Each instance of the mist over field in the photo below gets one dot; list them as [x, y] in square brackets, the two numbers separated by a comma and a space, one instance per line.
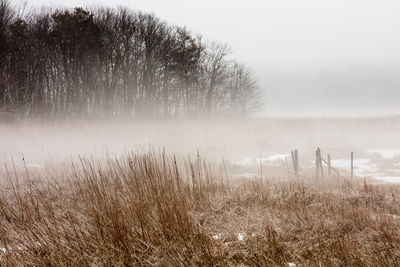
[218, 134]
[238, 142]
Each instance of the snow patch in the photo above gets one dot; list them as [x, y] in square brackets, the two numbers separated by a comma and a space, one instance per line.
[361, 166]
[385, 153]
[273, 159]
[217, 236]
[34, 166]
[394, 216]
[388, 179]
[240, 237]
[276, 157]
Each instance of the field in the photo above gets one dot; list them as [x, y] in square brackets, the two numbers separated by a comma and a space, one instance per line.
[178, 193]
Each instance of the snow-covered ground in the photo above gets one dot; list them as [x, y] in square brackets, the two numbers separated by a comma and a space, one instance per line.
[385, 153]
[389, 171]
[362, 166]
[380, 164]
[270, 160]
[388, 179]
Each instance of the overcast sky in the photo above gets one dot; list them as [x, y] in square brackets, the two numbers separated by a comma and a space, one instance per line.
[312, 57]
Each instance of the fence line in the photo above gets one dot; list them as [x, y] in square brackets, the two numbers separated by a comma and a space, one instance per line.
[319, 160]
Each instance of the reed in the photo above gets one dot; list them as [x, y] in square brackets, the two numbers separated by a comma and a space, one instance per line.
[158, 209]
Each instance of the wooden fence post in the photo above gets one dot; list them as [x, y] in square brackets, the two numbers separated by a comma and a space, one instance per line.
[352, 164]
[295, 160]
[320, 163]
[329, 164]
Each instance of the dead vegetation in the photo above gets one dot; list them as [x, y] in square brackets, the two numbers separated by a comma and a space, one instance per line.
[154, 209]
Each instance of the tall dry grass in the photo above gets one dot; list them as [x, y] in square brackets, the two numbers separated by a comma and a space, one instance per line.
[154, 209]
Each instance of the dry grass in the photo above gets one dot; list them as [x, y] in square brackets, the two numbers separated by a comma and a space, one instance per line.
[154, 209]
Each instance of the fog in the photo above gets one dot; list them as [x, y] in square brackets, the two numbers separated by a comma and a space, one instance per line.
[328, 72]
[329, 58]
[176, 132]
[239, 144]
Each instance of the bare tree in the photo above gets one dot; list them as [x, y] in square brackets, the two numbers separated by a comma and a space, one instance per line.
[115, 62]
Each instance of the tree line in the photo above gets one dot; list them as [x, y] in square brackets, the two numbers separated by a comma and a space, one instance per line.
[105, 62]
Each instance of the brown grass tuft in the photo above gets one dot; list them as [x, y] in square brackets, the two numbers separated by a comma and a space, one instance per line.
[154, 209]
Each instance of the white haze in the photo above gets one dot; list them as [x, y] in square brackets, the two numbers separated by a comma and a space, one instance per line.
[312, 57]
[241, 143]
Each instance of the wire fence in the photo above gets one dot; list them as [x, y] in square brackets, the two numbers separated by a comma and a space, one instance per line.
[319, 168]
